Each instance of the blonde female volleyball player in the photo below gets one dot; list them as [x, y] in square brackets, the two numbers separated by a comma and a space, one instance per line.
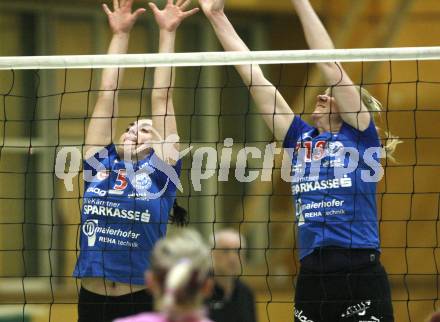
[341, 278]
[179, 277]
[130, 187]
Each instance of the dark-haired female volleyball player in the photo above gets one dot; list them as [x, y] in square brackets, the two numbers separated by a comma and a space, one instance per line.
[130, 187]
[341, 278]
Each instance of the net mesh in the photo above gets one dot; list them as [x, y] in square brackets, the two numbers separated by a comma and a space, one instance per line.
[44, 112]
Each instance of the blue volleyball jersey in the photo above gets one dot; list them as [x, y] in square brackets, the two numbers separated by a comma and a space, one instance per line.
[335, 198]
[125, 211]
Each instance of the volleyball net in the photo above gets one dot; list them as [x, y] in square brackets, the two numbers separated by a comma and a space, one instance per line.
[230, 177]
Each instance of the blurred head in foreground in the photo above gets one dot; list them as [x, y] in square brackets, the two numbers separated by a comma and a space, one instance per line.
[180, 273]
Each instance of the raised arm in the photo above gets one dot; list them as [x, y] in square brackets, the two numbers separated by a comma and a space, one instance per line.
[275, 110]
[102, 124]
[350, 107]
[164, 121]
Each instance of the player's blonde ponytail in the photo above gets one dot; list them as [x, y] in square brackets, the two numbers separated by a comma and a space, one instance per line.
[176, 281]
[375, 107]
[181, 263]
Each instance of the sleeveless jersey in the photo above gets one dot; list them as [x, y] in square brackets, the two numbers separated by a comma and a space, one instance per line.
[334, 186]
[125, 211]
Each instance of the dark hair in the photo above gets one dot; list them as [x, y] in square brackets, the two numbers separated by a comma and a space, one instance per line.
[179, 215]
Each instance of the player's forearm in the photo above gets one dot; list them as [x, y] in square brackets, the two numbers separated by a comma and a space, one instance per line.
[231, 41]
[164, 76]
[162, 94]
[317, 37]
[111, 77]
[274, 109]
[269, 101]
[315, 33]
[107, 103]
[334, 74]
[226, 32]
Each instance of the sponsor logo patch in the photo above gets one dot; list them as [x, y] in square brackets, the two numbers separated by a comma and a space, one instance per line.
[89, 229]
[299, 314]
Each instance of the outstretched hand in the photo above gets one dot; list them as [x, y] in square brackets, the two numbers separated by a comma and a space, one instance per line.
[170, 17]
[122, 19]
[211, 6]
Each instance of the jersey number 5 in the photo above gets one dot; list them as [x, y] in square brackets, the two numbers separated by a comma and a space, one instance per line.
[121, 181]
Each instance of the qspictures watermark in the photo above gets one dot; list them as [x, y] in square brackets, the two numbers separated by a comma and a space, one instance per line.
[207, 161]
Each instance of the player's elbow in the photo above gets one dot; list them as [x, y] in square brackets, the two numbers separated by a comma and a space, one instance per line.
[333, 73]
[108, 86]
[161, 94]
[360, 121]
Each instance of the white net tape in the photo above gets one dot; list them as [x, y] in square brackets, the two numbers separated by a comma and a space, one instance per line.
[221, 58]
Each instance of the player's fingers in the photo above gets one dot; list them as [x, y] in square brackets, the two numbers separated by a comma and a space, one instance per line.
[179, 2]
[153, 7]
[191, 12]
[106, 9]
[138, 12]
[185, 4]
[127, 3]
[115, 4]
